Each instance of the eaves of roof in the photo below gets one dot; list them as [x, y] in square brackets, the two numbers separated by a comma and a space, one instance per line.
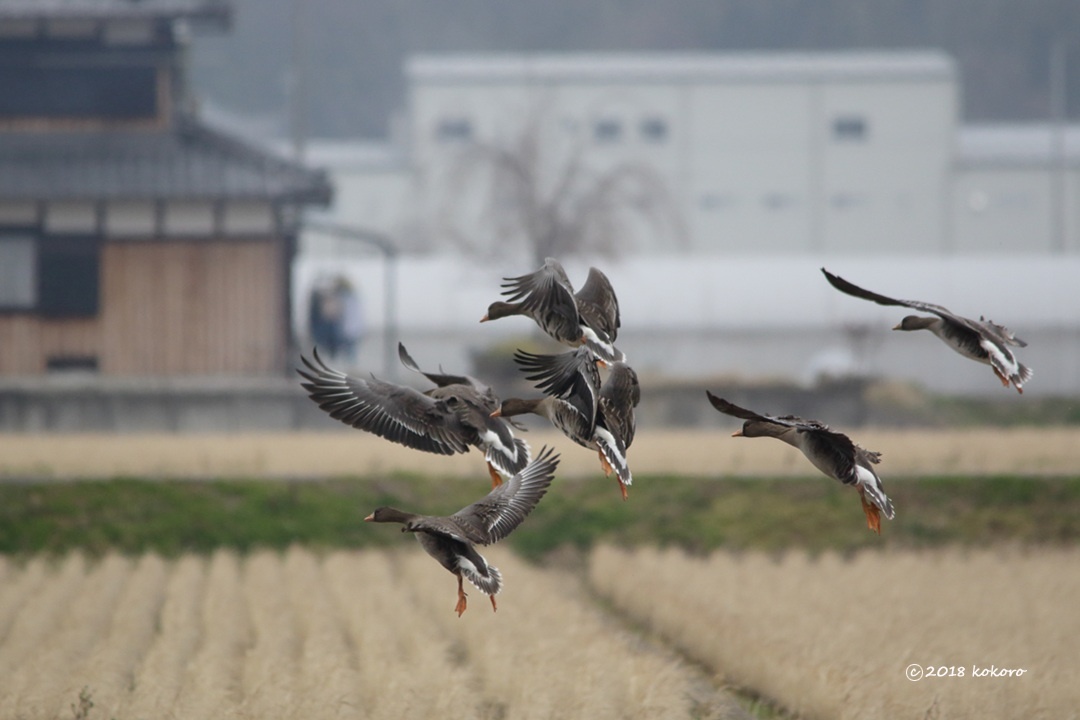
[194, 162]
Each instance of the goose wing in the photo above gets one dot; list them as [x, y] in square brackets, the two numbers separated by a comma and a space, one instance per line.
[395, 412]
[598, 305]
[855, 291]
[547, 296]
[440, 378]
[730, 408]
[504, 508]
[1000, 333]
[619, 395]
[571, 376]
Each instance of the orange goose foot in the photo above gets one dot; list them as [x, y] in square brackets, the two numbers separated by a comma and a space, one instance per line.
[873, 515]
[462, 603]
[496, 478]
[606, 466]
[494, 607]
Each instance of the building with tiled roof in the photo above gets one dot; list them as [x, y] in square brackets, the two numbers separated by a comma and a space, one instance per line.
[134, 239]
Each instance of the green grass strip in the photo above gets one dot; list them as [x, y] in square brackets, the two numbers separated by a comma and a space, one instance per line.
[699, 514]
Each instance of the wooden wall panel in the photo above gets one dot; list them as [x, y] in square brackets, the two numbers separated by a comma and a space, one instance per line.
[26, 342]
[168, 308]
[193, 308]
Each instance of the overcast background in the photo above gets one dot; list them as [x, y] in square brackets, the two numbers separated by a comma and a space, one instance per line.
[352, 51]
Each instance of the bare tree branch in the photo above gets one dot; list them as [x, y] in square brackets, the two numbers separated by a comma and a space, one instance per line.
[580, 210]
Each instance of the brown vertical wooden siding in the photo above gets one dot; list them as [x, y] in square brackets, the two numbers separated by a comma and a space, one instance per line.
[168, 308]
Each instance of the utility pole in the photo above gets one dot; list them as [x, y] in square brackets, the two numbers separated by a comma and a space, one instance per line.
[1058, 161]
[297, 83]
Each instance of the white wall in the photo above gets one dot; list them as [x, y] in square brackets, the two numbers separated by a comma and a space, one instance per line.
[750, 157]
[753, 318]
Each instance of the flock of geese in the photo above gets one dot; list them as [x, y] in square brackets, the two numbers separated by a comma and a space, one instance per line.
[461, 412]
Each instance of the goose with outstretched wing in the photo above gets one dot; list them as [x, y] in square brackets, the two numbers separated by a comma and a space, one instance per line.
[981, 340]
[830, 452]
[452, 539]
[446, 420]
[597, 416]
[587, 317]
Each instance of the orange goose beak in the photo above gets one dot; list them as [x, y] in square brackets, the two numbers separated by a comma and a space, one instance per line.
[737, 433]
[370, 517]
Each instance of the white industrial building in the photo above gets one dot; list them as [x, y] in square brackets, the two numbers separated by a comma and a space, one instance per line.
[771, 165]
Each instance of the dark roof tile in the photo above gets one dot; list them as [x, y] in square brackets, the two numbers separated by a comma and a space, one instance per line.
[193, 163]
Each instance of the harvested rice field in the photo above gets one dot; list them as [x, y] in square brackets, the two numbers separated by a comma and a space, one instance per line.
[649, 634]
[710, 452]
[898, 631]
[945, 634]
[362, 634]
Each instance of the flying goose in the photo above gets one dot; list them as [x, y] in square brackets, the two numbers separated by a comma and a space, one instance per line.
[446, 420]
[588, 317]
[595, 416]
[451, 540]
[981, 340]
[830, 452]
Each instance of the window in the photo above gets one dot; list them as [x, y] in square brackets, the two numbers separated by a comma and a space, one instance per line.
[454, 130]
[18, 272]
[654, 130]
[62, 363]
[849, 128]
[847, 201]
[607, 130]
[68, 271]
[776, 201]
[716, 201]
[55, 276]
[78, 92]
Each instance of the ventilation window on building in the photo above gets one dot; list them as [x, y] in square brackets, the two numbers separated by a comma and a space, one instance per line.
[775, 202]
[69, 363]
[654, 130]
[451, 130]
[850, 128]
[607, 130]
[18, 272]
[847, 201]
[716, 201]
[69, 268]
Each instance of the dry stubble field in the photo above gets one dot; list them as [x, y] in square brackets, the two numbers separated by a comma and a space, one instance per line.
[686, 452]
[371, 634]
[365, 634]
[299, 635]
[829, 637]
